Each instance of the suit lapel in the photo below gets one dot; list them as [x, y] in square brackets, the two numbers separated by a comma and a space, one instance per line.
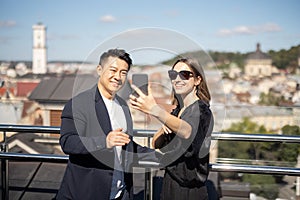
[102, 113]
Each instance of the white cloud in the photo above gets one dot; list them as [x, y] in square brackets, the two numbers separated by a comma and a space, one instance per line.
[107, 18]
[9, 23]
[243, 30]
[250, 30]
[224, 32]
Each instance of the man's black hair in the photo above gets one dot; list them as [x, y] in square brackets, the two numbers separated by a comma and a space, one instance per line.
[118, 53]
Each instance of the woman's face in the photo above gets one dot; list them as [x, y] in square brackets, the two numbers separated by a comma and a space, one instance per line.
[184, 83]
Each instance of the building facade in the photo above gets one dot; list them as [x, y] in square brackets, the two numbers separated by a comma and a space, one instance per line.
[258, 64]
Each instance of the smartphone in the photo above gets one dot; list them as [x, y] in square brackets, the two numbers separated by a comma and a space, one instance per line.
[140, 81]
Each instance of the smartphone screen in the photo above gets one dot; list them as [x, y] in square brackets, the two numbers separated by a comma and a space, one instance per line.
[141, 81]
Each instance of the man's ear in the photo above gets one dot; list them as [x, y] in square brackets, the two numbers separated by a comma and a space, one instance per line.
[99, 69]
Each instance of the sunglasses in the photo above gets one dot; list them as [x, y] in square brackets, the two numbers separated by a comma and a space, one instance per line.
[184, 74]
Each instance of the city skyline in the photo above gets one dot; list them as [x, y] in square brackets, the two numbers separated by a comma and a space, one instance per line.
[75, 29]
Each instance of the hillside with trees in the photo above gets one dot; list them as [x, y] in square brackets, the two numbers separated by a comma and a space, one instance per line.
[282, 59]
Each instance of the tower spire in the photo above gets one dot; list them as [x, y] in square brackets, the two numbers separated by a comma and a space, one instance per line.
[258, 47]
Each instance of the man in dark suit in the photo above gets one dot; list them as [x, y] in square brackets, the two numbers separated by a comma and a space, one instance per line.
[96, 133]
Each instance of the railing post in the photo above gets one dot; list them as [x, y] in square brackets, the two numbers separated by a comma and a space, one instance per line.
[147, 189]
[4, 170]
[4, 173]
[146, 185]
[148, 182]
[298, 180]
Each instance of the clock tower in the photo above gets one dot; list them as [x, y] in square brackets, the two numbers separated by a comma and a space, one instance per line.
[39, 50]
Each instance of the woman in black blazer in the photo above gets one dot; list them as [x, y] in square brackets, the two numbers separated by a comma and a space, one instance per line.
[185, 136]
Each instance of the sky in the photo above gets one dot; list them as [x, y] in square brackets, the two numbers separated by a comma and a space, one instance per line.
[78, 29]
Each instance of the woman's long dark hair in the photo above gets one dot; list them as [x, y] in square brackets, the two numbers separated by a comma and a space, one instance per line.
[201, 90]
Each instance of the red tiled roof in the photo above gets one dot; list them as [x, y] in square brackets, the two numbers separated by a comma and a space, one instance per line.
[25, 88]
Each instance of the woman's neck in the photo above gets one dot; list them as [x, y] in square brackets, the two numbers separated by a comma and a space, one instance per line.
[189, 99]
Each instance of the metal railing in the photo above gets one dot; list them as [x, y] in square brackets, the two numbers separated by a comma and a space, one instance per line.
[253, 169]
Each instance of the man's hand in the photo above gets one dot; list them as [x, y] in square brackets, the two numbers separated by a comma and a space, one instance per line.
[117, 138]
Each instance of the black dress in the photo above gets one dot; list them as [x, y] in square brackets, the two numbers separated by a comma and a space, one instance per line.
[185, 177]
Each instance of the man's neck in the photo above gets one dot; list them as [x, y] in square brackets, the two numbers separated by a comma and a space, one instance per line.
[105, 93]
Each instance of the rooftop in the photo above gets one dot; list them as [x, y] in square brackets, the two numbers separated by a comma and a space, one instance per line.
[60, 89]
[258, 54]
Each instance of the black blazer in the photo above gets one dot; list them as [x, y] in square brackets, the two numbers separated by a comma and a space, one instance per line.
[85, 125]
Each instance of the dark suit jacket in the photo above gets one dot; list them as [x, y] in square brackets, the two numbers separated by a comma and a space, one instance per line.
[85, 125]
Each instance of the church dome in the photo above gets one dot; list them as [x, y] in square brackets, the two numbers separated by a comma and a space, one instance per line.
[258, 54]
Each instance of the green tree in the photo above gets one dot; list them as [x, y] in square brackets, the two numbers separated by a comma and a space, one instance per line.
[286, 59]
[262, 185]
[247, 150]
[269, 99]
[289, 152]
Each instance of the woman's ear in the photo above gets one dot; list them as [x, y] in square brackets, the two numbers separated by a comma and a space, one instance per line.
[198, 80]
[99, 70]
